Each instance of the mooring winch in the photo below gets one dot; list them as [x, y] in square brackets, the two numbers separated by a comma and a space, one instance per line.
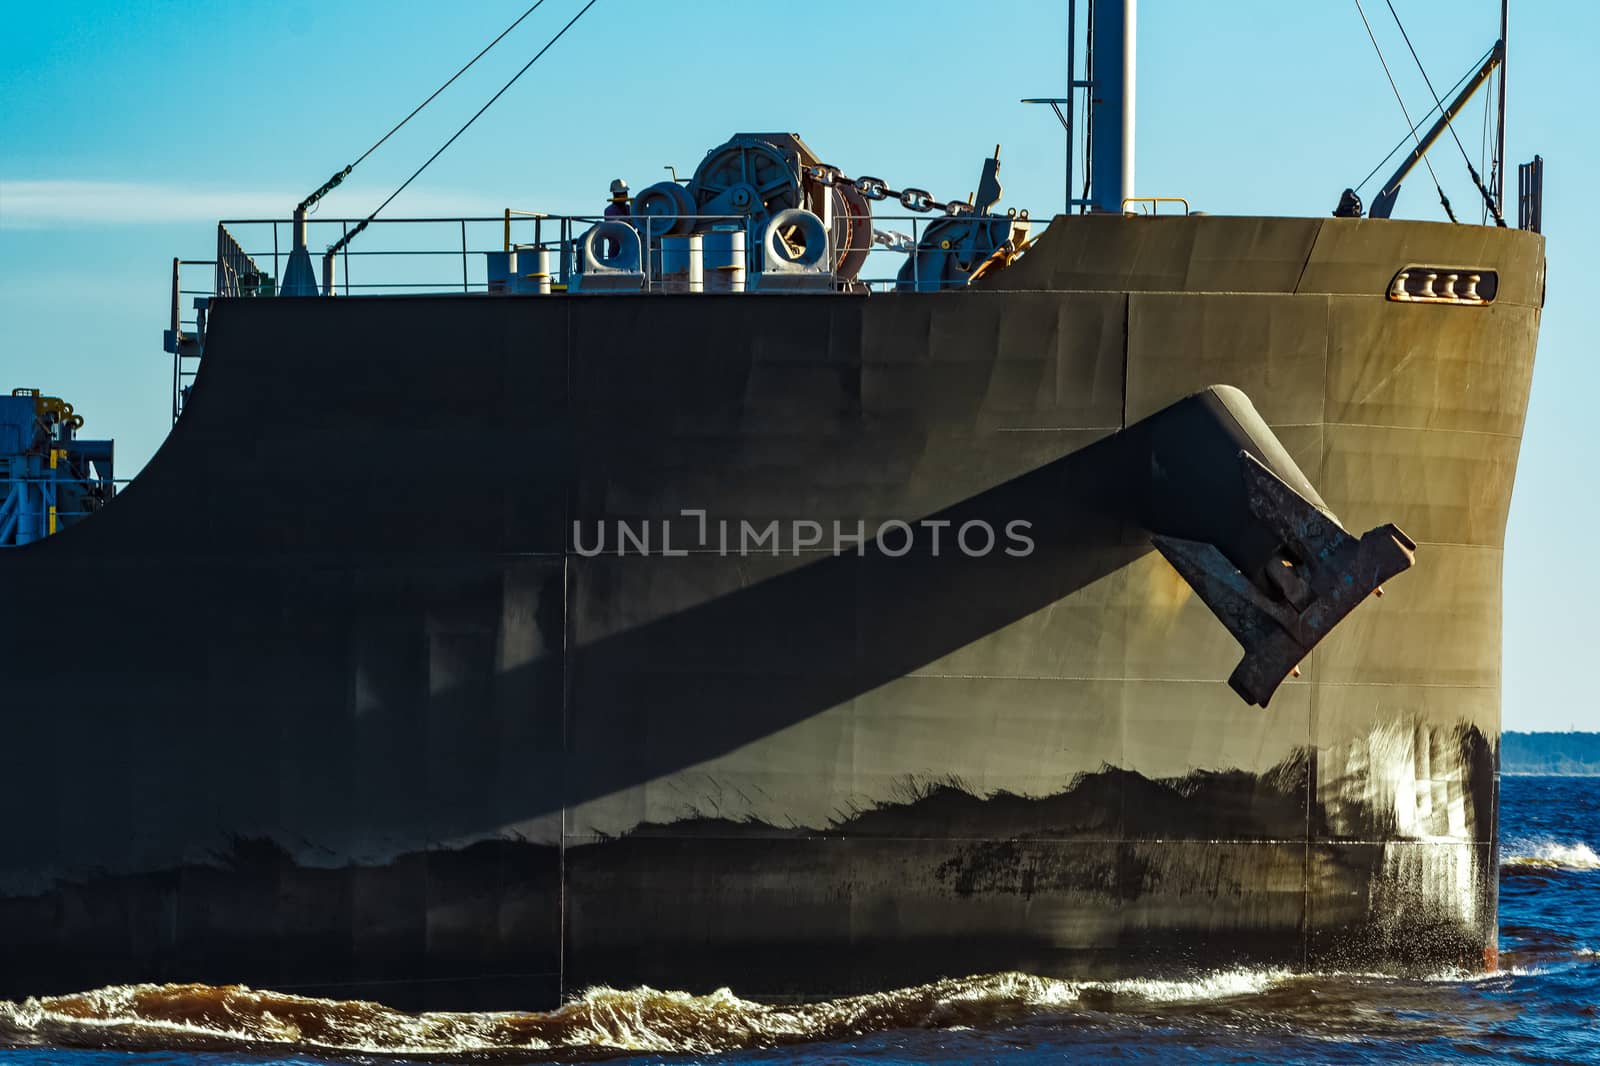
[775, 189]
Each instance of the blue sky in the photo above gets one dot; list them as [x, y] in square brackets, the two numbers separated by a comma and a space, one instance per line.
[128, 128]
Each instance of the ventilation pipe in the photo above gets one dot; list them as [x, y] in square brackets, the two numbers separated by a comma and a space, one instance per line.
[299, 277]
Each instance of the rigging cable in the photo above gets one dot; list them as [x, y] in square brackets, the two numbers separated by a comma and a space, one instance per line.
[1443, 199]
[1401, 143]
[329, 185]
[1084, 196]
[346, 239]
[1450, 125]
[1483, 147]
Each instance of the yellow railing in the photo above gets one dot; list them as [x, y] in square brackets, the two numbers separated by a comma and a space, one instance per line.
[510, 212]
[1155, 203]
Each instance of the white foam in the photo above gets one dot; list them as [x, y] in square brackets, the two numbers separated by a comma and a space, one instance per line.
[640, 1020]
[1223, 984]
[1555, 855]
[637, 1020]
[1472, 977]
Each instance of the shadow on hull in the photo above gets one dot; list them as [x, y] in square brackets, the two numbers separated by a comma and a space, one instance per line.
[1209, 870]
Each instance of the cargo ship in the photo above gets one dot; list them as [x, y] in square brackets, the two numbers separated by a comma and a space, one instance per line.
[685, 610]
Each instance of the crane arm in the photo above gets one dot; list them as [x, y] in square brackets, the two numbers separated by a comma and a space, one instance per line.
[1383, 203]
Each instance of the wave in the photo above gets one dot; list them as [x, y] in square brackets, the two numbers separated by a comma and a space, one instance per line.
[1550, 855]
[603, 1021]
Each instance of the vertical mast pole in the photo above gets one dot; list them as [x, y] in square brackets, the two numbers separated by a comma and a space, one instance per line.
[1089, 74]
[1111, 105]
[1500, 118]
[1072, 77]
[1129, 55]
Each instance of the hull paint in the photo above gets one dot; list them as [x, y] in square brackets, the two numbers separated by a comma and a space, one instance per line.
[368, 723]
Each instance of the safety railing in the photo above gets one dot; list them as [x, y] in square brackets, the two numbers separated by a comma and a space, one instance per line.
[384, 262]
[1151, 205]
[538, 217]
[402, 256]
[192, 291]
[238, 274]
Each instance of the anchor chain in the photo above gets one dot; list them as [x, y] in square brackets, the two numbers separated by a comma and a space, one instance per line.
[876, 189]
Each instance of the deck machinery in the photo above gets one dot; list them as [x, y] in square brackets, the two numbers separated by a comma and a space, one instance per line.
[764, 206]
[760, 181]
[52, 479]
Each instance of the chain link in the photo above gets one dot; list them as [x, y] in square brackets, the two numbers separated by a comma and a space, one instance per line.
[876, 189]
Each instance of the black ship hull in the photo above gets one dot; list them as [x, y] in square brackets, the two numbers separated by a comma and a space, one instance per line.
[354, 705]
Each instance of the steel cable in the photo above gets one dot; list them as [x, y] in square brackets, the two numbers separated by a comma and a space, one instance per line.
[1443, 199]
[1427, 80]
[333, 182]
[1401, 143]
[537, 4]
[465, 126]
[1449, 125]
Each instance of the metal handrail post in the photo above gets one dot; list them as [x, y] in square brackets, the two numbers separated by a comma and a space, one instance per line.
[175, 262]
[1155, 202]
[916, 273]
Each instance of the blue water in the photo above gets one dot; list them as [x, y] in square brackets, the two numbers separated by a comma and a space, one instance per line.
[1542, 1007]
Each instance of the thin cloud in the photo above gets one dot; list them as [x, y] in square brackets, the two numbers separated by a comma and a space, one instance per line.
[69, 202]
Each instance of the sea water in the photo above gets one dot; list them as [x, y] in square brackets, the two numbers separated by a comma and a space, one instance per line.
[1542, 1006]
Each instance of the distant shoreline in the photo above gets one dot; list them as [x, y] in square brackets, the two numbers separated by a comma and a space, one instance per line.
[1569, 754]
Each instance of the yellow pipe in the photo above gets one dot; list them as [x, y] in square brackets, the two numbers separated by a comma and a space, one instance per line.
[52, 520]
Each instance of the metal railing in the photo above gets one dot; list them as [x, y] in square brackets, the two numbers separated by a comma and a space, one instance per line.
[1154, 203]
[187, 326]
[401, 256]
[382, 264]
[237, 273]
[537, 216]
[1530, 195]
[387, 263]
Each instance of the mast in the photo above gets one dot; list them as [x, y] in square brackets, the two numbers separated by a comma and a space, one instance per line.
[1112, 25]
[1072, 83]
[1109, 80]
[1129, 85]
[1499, 175]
